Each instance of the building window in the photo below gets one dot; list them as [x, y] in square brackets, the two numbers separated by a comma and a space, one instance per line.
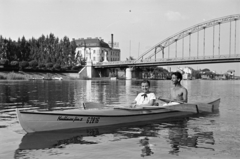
[94, 58]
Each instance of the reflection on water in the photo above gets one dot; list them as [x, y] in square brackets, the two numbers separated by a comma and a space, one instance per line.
[210, 134]
[177, 135]
[52, 139]
[146, 150]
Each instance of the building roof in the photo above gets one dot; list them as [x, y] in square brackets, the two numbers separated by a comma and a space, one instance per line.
[231, 71]
[91, 42]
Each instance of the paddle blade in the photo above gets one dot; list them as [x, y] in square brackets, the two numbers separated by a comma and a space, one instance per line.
[183, 108]
[164, 100]
[93, 105]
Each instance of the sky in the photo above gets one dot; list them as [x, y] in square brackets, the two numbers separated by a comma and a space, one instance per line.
[137, 25]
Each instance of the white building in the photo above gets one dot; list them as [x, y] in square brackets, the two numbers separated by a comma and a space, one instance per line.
[96, 50]
[186, 72]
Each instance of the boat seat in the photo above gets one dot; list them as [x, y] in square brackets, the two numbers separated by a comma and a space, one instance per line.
[92, 105]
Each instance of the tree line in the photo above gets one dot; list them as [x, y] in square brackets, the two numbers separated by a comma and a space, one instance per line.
[46, 53]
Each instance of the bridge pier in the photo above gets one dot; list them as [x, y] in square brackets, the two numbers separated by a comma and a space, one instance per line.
[89, 69]
[128, 73]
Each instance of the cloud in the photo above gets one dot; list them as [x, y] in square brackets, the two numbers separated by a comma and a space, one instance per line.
[174, 16]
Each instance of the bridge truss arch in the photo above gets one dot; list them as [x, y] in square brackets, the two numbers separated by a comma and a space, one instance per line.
[184, 33]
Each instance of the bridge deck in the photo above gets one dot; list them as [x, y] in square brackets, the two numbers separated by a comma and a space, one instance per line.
[172, 61]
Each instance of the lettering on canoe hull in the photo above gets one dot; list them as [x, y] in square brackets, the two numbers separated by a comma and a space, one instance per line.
[68, 118]
[89, 120]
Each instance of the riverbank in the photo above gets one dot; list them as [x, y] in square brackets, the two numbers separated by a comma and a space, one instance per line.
[20, 75]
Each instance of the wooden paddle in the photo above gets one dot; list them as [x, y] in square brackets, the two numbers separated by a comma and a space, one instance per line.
[168, 100]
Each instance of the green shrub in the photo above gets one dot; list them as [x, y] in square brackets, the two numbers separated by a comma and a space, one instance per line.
[66, 67]
[76, 67]
[23, 64]
[4, 62]
[49, 65]
[33, 63]
[14, 63]
[41, 65]
[2, 77]
[29, 68]
[57, 66]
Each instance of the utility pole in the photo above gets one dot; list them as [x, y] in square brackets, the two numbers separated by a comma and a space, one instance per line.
[138, 48]
[130, 48]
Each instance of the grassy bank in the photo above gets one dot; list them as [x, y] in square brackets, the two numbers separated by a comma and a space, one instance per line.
[30, 75]
[12, 76]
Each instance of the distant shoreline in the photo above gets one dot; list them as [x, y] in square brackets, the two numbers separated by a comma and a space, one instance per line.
[20, 75]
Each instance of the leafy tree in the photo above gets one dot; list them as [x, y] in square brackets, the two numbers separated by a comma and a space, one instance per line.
[24, 49]
[43, 50]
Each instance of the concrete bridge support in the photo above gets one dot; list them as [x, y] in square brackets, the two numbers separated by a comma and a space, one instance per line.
[128, 73]
[89, 70]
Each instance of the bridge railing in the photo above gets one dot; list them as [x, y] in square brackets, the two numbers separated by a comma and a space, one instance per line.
[211, 57]
[189, 58]
[116, 62]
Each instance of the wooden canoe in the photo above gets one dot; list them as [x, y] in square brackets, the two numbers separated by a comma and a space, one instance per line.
[34, 121]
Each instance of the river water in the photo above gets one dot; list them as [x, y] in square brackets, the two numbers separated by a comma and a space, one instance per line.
[214, 135]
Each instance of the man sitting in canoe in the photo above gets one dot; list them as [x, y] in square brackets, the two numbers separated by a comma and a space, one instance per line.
[178, 94]
[146, 98]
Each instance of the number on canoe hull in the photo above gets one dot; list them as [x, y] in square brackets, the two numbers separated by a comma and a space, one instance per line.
[91, 120]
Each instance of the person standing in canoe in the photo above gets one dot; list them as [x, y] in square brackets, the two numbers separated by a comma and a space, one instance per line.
[179, 94]
[145, 98]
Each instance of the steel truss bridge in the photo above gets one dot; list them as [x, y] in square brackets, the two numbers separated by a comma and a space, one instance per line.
[184, 54]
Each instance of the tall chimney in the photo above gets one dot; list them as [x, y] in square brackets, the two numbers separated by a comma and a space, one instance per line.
[112, 41]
